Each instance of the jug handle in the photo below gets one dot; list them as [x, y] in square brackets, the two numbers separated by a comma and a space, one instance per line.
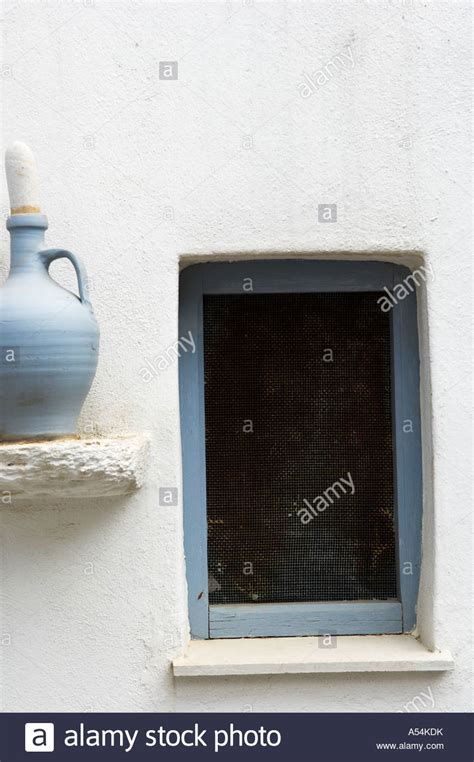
[49, 255]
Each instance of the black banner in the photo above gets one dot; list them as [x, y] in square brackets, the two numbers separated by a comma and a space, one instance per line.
[334, 737]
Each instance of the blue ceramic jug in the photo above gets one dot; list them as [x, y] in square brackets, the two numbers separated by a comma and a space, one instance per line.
[49, 340]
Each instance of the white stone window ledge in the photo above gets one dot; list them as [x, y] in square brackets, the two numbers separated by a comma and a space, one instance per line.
[73, 468]
[293, 656]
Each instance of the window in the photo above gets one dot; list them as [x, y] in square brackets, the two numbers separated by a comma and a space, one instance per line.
[301, 448]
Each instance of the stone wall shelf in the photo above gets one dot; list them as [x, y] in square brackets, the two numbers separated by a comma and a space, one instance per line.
[74, 468]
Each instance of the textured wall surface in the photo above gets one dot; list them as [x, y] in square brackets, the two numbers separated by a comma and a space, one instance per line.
[231, 159]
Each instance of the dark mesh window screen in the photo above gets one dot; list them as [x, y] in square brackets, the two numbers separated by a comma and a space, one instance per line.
[298, 448]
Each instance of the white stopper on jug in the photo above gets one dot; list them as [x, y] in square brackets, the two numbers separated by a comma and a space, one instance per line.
[22, 179]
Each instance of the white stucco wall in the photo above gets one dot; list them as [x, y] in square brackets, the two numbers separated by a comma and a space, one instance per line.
[138, 174]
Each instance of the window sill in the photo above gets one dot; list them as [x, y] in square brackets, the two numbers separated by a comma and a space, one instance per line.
[283, 656]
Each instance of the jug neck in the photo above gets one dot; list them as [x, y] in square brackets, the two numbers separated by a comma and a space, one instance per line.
[27, 239]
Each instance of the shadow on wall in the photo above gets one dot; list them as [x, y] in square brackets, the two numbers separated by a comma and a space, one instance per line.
[398, 692]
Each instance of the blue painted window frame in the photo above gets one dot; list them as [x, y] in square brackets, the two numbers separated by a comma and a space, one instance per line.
[299, 619]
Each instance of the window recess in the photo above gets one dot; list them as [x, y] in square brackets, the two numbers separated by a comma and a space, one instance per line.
[301, 449]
